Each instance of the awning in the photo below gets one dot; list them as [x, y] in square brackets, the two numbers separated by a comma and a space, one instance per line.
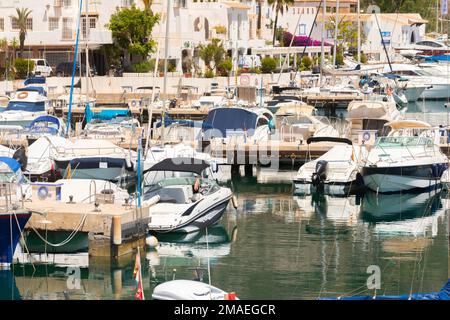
[408, 124]
[180, 164]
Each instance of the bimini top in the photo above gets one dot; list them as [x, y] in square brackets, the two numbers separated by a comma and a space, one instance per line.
[11, 163]
[48, 119]
[408, 124]
[39, 90]
[34, 80]
[328, 139]
[180, 164]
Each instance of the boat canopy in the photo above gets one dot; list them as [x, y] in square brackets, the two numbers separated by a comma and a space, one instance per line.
[11, 163]
[408, 124]
[106, 114]
[35, 127]
[230, 119]
[39, 90]
[34, 80]
[328, 139]
[180, 164]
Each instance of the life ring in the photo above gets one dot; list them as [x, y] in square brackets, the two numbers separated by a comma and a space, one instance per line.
[22, 95]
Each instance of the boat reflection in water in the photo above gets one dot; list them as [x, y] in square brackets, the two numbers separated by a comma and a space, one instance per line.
[179, 249]
[8, 284]
[413, 214]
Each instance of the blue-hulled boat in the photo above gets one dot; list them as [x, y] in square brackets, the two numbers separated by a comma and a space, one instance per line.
[12, 217]
[443, 294]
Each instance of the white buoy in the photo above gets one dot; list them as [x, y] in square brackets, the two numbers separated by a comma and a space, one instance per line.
[151, 241]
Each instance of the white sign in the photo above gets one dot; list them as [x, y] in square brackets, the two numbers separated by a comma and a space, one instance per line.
[103, 165]
[444, 7]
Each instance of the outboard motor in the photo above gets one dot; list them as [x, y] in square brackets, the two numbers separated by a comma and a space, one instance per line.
[318, 178]
[21, 157]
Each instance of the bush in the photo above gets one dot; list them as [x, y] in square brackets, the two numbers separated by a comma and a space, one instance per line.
[143, 66]
[221, 29]
[363, 58]
[268, 65]
[225, 67]
[306, 63]
[23, 67]
[339, 59]
[209, 74]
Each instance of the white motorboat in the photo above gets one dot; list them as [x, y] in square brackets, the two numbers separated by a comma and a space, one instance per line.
[253, 124]
[296, 120]
[409, 157]
[27, 104]
[189, 290]
[95, 159]
[188, 201]
[335, 172]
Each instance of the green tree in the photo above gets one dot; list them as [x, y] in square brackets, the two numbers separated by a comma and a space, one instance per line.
[22, 16]
[131, 29]
[225, 67]
[347, 33]
[213, 52]
[279, 6]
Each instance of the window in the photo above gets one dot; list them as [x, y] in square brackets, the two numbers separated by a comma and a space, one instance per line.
[67, 29]
[2, 24]
[92, 23]
[53, 24]
[302, 29]
[40, 63]
[66, 3]
[15, 24]
[330, 33]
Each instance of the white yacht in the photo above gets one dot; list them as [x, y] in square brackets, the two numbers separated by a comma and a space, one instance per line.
[27, 104]
[335, 172]
[252, 124]
[189, 290]
[186, 202]
[409, 157]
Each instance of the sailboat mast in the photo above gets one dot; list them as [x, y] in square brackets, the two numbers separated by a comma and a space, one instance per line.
[336, 30]
[87, 27]
[322, 47]
[166, 55]
[358, 18]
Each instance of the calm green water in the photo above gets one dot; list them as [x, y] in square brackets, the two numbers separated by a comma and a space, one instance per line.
[274, 246]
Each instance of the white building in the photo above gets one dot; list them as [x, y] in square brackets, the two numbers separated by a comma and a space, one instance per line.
[52, 25]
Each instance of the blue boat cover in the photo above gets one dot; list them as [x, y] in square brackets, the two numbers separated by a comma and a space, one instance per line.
[25, 106]
[35, 128]
[229, 119]
[10, 162]
[105, 114]
[34, 80]
[51, 119]
[168, 121]
[443, 294]
[39, 90]
[443, 57]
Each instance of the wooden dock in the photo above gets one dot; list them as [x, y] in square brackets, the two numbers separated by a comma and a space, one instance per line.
[114, 229]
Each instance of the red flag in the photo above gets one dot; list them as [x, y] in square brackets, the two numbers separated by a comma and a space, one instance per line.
[139, 293]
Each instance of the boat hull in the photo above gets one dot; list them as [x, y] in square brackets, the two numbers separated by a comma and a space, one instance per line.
[393, 179]
[207, 218]
[10, 231]
[346, 188]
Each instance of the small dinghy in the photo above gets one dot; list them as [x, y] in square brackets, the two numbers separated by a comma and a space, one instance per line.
[190, 290]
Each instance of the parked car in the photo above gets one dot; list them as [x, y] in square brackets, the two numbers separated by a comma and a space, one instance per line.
[42, 68]
[64, 69]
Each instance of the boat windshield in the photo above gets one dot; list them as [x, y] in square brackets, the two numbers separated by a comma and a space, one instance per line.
[25, 106]
[393, 142]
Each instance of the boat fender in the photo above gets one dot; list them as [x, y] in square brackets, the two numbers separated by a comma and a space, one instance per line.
[151, 241]
[128, 164]
[21, 157]
[152, 201]
[234, 201]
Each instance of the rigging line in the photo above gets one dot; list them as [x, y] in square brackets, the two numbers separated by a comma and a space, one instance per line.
[209, 265]
[24, 242]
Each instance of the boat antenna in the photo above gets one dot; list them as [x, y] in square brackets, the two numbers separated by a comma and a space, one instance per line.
[209, 264]
[74, 69]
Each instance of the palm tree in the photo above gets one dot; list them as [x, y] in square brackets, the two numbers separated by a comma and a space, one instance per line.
[280, 6]
[147, 4]
[22, 17]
